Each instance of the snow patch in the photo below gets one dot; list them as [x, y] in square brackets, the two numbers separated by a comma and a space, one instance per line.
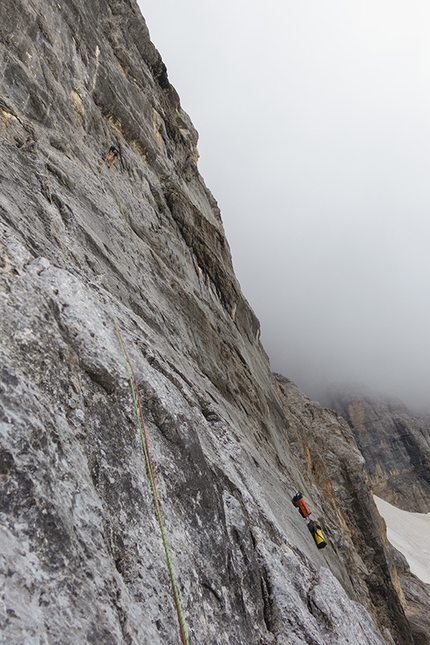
[410, 534]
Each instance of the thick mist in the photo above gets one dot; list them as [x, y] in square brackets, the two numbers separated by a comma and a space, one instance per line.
[314, 123]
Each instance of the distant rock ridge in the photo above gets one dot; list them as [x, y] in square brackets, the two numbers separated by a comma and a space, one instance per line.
[142, 243]
[395, 443]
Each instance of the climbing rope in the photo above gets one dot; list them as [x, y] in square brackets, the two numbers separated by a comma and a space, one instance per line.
[145, 445]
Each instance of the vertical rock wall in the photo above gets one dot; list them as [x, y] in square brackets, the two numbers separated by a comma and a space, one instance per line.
[395, 443]
[143, 244]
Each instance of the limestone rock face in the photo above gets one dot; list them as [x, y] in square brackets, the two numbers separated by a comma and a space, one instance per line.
[395, 444]
[142, 244]
[417, 597]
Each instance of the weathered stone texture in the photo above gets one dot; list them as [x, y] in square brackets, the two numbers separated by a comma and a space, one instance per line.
[81, 559]
[395, 443]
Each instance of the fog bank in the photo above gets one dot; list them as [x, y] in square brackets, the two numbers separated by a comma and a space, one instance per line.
[314, 138]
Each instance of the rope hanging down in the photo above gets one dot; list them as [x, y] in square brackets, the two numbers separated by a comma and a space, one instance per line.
[144, 439]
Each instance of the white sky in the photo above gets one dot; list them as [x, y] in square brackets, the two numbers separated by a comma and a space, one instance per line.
[409, 533]
[314, 122]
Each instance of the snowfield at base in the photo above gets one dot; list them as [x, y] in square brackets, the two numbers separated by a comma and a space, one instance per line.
[410, 534]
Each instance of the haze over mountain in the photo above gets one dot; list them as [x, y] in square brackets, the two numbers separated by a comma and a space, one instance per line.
[314, 136]
[148, 453]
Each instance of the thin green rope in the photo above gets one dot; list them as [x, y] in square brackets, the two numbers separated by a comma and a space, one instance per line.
[145, 445]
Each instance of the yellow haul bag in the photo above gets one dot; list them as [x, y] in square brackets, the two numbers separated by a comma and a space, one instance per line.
[317, 534]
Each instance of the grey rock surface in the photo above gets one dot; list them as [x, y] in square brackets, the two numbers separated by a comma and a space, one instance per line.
[82, 246]
[417, 597]
[395, 443]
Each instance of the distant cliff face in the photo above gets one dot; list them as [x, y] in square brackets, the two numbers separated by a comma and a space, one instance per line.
[395, 444]
[142, 243]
